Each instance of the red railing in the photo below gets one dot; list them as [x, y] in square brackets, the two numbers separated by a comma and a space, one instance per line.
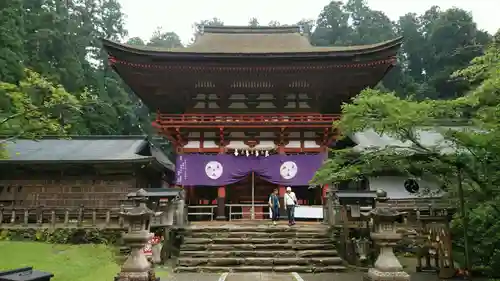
[246, 120]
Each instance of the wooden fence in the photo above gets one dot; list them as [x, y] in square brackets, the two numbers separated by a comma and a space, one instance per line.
[42, 217]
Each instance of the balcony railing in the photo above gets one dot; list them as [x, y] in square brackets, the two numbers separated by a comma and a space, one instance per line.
[296, 120]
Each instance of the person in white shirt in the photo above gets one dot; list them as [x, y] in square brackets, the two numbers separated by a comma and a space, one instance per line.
[290, 203]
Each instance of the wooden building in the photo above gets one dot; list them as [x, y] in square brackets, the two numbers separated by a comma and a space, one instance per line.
[96, 172]
[249, 108]
[405, 193]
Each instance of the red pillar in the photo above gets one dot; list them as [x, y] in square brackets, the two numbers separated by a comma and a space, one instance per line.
[281, 192]
[324, 192]
[221, 203]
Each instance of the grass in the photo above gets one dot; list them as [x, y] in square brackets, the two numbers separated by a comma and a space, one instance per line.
[66, 262]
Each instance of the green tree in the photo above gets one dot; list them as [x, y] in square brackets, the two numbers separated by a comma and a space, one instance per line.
[165, 39]
[471, 151]
[210, 22]
[253, 22]
[38, 107]
[274, 23]
[11, 44]
[332, 26]
[136, 41]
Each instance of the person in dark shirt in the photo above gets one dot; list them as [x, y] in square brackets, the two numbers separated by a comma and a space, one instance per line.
[274, 205]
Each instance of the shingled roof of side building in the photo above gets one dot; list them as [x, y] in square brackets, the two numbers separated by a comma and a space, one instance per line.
[85, 149]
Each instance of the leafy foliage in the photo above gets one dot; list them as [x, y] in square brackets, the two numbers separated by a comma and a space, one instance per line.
[38, 107]
[469, 149]
[63, 235]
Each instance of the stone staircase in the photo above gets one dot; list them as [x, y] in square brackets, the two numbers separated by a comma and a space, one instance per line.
[258, 248]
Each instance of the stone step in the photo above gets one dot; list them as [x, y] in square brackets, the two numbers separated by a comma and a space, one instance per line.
[253, 240]
[260, 276]
[250, 234]
[246, 247]
[260, 261]
[262, 253]
[291, 268]
[261, 228]
[202, 254]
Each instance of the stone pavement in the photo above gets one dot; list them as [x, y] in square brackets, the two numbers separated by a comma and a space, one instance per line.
[260, 276]
[358, 276]
[192, 277]
[270, 276]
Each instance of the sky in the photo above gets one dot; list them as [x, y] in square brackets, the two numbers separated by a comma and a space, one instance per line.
[144, 16]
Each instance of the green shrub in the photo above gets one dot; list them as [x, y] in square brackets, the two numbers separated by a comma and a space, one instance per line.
[62, 235]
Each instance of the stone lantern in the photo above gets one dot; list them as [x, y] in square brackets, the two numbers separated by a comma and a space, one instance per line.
[138, 218]
[387, 266]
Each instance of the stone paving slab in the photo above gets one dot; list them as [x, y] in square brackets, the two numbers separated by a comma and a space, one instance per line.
[351, 276]
[358, 276]
[192, 277]
[260, 276]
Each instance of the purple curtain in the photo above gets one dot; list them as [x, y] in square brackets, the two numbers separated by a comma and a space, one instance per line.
[224, 169]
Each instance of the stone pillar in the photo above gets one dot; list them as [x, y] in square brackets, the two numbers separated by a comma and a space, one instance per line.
[324, 200]
[221, 203]
[156, 249]
[387, 266]
[180, 208]
[169, 214]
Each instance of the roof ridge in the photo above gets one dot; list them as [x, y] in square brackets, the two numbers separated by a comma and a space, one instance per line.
[250, 29]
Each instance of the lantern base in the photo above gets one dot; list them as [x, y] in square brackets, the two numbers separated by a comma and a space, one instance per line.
[377, 275]
[133, 276]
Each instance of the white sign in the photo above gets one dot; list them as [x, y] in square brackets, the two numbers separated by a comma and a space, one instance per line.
[309, 212]
[306, 212]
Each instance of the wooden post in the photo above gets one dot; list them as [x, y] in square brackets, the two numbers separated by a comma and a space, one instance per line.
[53, 218]
[66, 217]
[221, 203]
[1, 214]
[94, 217]
[13, 217]
[281, 193]
[120, 218]
[26, 216]
[80, 216]
[39, 218]
[108, 217]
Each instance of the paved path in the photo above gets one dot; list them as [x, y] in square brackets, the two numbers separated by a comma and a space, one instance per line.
[192, 277]
[260, 276]
[270, 276]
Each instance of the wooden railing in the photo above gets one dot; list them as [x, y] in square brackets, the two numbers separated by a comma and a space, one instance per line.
[245, 120]
[81, 217]
[244, 214]
[42, 217]
[196, 212]
[418, 204]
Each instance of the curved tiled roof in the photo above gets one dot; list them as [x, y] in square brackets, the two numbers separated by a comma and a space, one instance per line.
[78, 149]
[228, 40]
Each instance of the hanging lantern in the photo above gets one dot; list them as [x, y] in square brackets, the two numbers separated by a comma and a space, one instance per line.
[236, 152]
[267, 153]
[247, 153]
[256, 153]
